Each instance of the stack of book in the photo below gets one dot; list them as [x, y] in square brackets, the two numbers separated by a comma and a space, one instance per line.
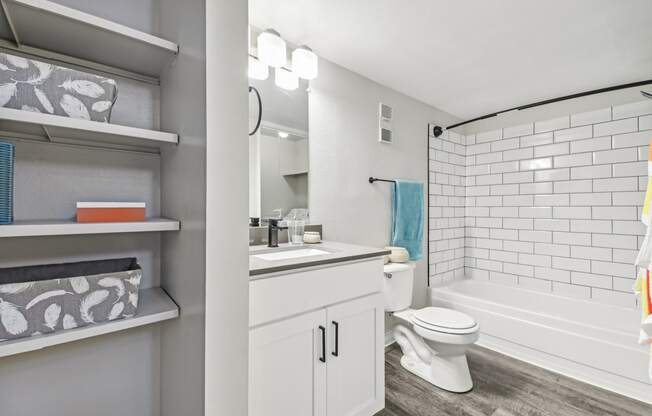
[110, 211]
[7, 151]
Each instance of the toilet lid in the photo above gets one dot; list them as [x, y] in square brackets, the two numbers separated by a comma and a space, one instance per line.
[443, 319]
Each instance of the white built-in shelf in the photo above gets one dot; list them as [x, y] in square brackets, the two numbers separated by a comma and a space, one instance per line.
[30, 125]
[154, 305]
[52, 27]
[48, 228]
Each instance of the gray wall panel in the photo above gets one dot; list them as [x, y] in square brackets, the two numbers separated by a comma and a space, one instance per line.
[183, 190]
[49, 179]
[63, 249]
[114, 374]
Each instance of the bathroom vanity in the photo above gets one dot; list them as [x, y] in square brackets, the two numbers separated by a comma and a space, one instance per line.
[316, 330]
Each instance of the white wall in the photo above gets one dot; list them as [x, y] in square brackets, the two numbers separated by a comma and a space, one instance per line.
[227, 237]
[344, 152]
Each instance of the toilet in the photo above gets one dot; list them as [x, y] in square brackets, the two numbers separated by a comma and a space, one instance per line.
[433, 340]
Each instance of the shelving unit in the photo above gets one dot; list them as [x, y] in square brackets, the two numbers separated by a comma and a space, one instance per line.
[155, 90]
[29, 125]
[49, 26]
[154, 305]
[49, 228]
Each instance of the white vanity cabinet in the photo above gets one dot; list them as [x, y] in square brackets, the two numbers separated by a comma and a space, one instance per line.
[321, 357]
[355, 382]
[285, 374]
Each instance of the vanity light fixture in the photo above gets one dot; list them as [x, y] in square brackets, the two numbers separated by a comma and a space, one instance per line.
[305, 62]
[283, 135]
[257, 69]
[272, 49]
[286, 79]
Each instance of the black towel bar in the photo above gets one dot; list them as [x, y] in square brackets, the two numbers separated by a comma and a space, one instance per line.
[372, 180]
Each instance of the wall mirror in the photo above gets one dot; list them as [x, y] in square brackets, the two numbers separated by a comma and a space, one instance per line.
[278, 151]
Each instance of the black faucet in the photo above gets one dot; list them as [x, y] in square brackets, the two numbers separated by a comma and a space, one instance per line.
[272, 232]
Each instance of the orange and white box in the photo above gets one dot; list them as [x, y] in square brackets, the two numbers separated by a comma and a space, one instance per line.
[110, 211]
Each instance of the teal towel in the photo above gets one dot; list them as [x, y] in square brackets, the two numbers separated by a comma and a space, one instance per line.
[407, 224]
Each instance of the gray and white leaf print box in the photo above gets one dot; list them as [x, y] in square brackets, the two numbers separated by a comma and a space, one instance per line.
[36, 300]
[31, 85]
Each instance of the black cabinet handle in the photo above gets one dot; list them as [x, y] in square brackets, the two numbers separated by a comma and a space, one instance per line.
[323, 344]
[336, 353]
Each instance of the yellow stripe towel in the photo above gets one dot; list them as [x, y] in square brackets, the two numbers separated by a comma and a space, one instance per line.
[643, 288]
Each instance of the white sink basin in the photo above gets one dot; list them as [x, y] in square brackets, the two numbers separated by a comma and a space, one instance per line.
[291, 254]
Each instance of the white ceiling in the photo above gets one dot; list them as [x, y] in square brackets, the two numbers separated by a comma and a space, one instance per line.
[473, 57]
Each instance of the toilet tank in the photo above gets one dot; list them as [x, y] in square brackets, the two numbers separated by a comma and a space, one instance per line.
[399, 280]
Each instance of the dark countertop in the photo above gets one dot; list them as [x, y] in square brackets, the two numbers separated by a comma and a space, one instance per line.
[337, 253]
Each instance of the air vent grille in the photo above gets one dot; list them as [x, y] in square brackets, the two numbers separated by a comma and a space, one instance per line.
[386, 135]
[386, 112]
[385, 130]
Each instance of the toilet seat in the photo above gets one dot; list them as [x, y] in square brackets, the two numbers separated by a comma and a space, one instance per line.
[447, 338]
[444, 320]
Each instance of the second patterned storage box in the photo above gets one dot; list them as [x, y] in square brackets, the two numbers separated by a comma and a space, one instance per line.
[36, 300]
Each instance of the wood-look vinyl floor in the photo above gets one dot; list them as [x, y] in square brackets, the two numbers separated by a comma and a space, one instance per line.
[503, 386]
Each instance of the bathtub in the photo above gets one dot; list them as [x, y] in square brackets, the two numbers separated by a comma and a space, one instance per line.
[588, 341]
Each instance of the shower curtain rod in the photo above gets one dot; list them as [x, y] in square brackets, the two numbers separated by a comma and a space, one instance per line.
[554, 100]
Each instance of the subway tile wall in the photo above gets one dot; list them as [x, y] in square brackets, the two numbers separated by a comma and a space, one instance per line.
[447, 170]
[552, 206]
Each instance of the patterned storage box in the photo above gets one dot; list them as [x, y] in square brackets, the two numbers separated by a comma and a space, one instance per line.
[36, 300]
[31, 85]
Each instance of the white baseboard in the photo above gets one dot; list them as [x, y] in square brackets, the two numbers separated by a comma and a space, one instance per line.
[389, 339]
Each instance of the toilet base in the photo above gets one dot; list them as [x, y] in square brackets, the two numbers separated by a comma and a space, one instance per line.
[448, 373]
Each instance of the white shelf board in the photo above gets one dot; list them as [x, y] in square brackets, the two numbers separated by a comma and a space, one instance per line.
[49, 228]
[47, 25]
[22, 124]
[154, 305]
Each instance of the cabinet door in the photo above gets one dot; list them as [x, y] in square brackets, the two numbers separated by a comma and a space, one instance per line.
[286, 374]
[356, 372]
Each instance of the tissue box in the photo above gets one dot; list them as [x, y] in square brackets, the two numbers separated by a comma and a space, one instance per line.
[31, 85]
[36, 300]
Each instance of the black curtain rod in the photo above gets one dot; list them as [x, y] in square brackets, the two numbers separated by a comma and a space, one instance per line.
[372, 180]
[554, 100]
